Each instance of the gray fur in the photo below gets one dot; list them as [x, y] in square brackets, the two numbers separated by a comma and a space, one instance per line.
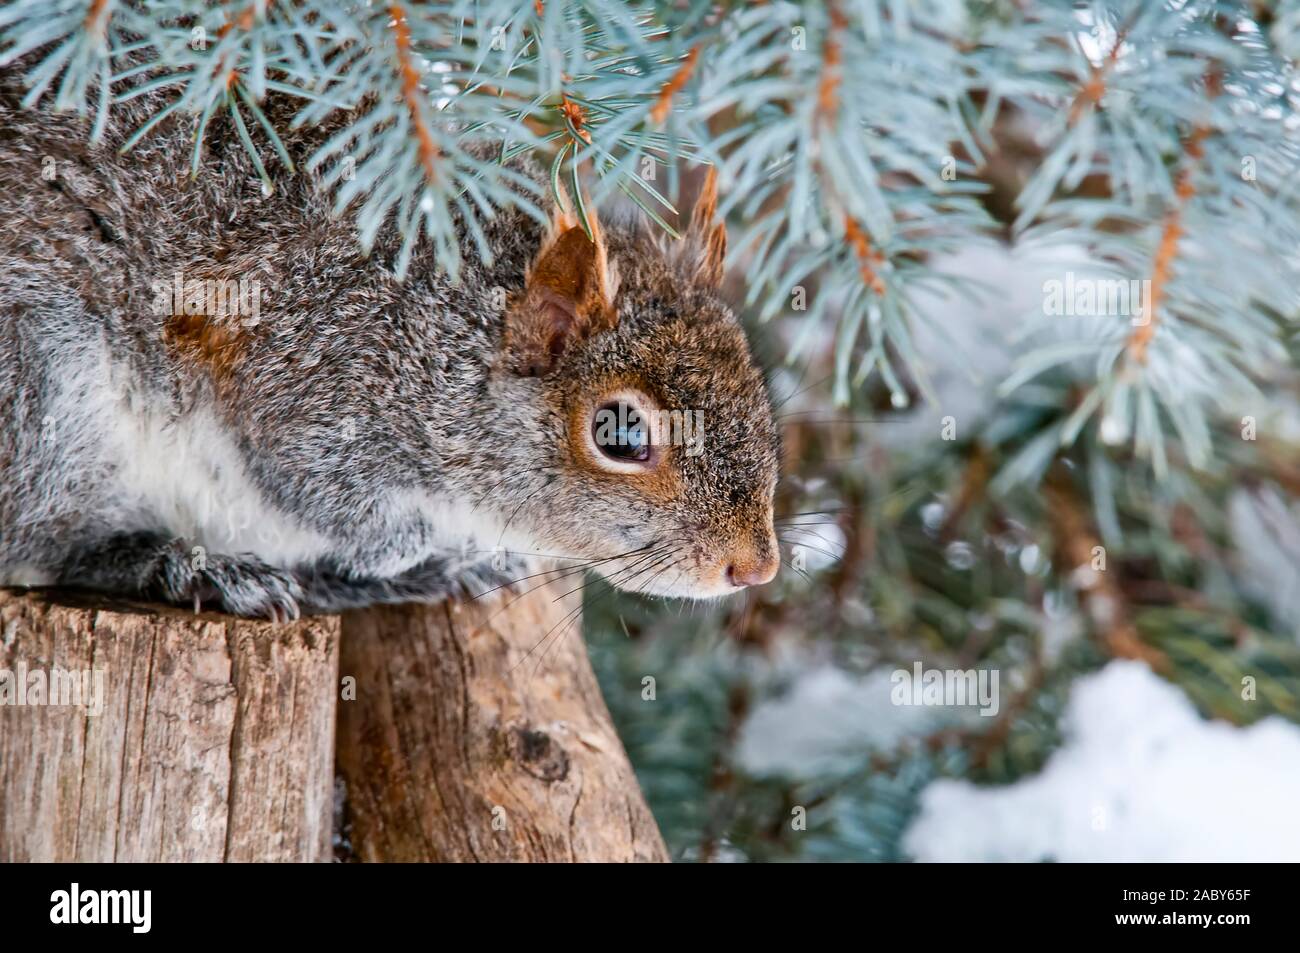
[365, 444]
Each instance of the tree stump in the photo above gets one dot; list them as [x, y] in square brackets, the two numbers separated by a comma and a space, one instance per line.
[478, 733]
[211, 738]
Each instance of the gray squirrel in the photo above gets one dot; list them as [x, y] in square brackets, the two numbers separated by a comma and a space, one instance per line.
[328, 436]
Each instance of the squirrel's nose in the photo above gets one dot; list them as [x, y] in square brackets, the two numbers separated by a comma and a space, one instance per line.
[754, 571]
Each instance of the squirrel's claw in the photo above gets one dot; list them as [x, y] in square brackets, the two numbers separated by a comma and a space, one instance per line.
[240, 585]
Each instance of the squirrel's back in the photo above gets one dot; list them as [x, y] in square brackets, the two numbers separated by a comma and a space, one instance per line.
[124, 403]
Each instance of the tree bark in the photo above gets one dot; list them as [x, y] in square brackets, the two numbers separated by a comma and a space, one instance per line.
[478, 733]
[212, 741]
[464, 733]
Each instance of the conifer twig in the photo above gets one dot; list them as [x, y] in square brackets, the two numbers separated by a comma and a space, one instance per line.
[411, 94]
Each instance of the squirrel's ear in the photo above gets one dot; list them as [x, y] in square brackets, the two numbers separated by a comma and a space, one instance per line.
[568, 296]
[705, 246]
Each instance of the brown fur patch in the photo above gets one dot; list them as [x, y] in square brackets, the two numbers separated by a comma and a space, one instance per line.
[569, 269]
[214, 342]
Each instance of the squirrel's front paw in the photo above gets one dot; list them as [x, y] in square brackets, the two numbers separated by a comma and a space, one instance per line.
[240, 585]
[153, 566]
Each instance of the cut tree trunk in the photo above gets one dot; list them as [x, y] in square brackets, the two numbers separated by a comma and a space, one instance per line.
[209, 738]
[478, 733]
[182, 737]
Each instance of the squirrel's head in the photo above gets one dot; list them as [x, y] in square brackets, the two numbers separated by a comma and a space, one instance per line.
[656, 453]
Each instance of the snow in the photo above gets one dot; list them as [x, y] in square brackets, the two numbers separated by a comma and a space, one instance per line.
[1142, 777]
[971, 338]
[830, 717]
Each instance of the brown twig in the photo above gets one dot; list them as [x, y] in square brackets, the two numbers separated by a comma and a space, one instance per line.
[664, 101]
[1101, 596]
[96, 22]
[411, 90]
[832, 57]
[1167, 248]
[247, 17]
[974, 487]
[1089, 97]
[1172, 231]
[869, 259]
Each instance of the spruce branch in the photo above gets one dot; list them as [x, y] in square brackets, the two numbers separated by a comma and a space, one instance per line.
[1176, 113]
[664, 101]
[1167, 247]
[411, 94]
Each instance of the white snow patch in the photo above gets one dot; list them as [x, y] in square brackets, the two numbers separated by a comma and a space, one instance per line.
[1142, 777]
[830, 715]
[970, 338]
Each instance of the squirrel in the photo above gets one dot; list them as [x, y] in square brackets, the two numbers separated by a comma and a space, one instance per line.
[329, 436]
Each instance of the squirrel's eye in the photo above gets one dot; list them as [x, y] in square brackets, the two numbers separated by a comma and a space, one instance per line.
[621, 432]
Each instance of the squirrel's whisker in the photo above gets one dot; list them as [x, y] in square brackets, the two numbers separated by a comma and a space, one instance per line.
[826, 512]
[585, 564]
[794, 568]
[808, 529]
[777, 405]
[836, 557]
[565, 573]
[814, 523]
[575, 613]
[569, 571]
[642, 565]
[742, 618]
[657, 575]
[568, 617]
[807, 545]
[491, 489]
[519, 506]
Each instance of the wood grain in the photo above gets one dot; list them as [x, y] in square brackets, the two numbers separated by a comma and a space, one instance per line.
[214, 741]
[478, 733]
[471, 732]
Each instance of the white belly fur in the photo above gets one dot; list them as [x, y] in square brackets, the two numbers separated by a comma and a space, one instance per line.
[184, 473]
[187, 474]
